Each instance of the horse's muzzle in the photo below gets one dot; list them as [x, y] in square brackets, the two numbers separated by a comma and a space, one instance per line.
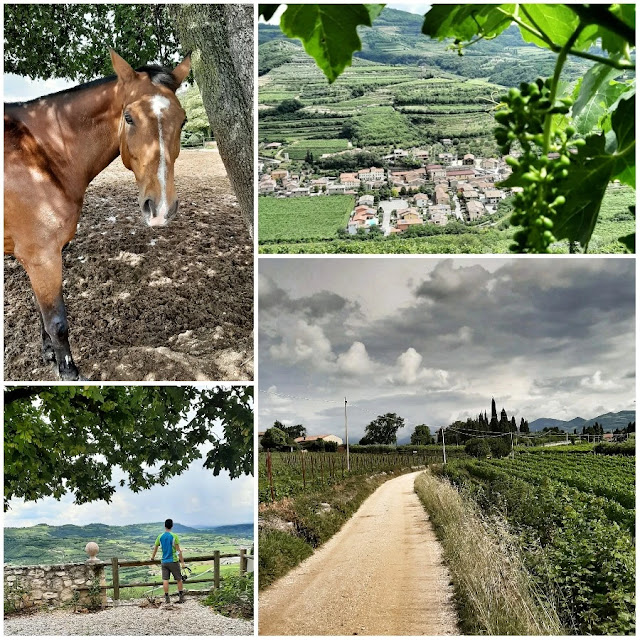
[156, 217]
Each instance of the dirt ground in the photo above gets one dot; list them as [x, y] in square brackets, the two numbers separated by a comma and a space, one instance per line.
[147, 304]
[381, 575]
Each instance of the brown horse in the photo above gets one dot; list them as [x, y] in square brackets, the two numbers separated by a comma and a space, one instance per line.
[54, 146]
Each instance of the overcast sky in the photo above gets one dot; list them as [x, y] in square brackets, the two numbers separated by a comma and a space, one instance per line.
[195, 497]
[433, 340]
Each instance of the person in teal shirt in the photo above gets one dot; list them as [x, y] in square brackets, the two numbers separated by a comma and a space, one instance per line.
[172, 559]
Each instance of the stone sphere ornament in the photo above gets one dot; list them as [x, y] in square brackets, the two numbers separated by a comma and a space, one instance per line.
[91, 550]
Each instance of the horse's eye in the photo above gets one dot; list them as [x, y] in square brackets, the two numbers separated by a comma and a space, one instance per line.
[127, 118]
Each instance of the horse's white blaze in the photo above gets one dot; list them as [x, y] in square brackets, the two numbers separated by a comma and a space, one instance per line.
[158, 105]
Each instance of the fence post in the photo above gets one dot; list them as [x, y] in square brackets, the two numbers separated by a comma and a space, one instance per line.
[243, 562]
[304, 475]
[216, 569]
[273, 497]
[115, 578]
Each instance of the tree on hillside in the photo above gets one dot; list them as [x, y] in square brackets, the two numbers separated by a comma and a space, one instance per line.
[524, 426]
[60, 440]
[197, 124]
[383, 430]
[275, 439]
[421, 435]
[72, 41]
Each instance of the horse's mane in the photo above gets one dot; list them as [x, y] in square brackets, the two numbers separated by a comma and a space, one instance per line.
[158, 75]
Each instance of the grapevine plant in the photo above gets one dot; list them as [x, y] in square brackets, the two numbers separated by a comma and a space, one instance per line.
[565, 143]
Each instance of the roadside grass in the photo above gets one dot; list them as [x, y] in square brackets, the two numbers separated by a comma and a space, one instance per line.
[293, 527]
[495, 594]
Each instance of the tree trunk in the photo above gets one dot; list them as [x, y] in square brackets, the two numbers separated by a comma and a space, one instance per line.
[220, 37]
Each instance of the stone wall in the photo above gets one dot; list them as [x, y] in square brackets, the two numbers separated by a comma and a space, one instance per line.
[52, 585]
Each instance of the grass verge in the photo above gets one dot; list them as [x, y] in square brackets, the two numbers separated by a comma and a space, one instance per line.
[495, 594]
[293, 527]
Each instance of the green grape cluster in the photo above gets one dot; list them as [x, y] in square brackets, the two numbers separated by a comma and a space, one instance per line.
[525, 116]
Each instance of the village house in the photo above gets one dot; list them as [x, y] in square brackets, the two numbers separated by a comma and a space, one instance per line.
[435, 171]
[441, 196]
[279, 174]
[489, 164]
[367, 200]
[421, 200]
[420, 154]
[273, 145]
[373, 174]
[335, 188]
[267, 185]
[300, 191]
[349, 180]
[475, 210]
[469, 159]
[446, 157]
[493, 196]
[438, 217]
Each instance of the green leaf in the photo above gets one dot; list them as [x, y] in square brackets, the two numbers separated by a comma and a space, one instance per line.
[267, 10]
[465, 21]
[329, 32]
[629, 242]
[556, 21]
[597, 93]
[624, 126]
[591, 171]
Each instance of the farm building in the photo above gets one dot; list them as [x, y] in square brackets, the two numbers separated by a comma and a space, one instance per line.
[327, 438]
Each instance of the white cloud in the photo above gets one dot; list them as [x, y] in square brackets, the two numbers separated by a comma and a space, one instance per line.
[304, 343]
[408, 371]
[596, 383]
[355, 361]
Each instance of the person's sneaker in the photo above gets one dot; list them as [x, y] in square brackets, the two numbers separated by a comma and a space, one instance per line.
[181, 598]
[167, 599]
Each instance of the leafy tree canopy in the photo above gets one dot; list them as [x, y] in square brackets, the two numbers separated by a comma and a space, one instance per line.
[421, 435]
[383, 430]
[275, 438]
[72, 40]
[60, 440]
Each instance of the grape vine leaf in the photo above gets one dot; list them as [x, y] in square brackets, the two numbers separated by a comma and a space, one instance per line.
[557, 22]
[267, 10]
[592, 168]
[329, 32]
[596, 94]
[464, 21]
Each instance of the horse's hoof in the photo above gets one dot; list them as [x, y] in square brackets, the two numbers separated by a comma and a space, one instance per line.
[69, 374]
[48, 355]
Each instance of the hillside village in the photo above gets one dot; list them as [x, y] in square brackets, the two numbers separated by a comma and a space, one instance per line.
[441, 189]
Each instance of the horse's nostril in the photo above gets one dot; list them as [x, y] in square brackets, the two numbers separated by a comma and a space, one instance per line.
[174, 209]
[149, 207]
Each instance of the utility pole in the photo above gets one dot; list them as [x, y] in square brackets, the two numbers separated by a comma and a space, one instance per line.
[346, 434]
[444, 451]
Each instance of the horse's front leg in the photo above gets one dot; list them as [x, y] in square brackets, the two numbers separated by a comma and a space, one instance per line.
[48, 352]
[45, 273]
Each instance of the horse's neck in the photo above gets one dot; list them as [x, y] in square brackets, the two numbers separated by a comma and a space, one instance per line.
[79, 131]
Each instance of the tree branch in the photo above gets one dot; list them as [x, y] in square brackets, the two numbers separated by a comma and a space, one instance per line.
[13, 394]
[599, 14]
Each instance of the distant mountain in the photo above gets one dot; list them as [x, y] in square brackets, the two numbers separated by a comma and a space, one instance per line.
[42, 544]
[233, 530]
[609, 421]
[396, 38]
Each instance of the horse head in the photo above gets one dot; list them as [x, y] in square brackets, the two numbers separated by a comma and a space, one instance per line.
[150, 125]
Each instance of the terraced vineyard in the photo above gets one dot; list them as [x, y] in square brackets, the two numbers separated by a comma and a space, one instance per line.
[575, 515]
[303, 219]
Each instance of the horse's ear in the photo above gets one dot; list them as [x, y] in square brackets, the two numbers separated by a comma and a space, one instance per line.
[123, 69]
[182, 70]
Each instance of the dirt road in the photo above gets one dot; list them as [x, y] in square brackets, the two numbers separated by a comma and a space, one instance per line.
[381, 574]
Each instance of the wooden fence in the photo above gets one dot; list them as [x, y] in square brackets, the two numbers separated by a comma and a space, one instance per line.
[116, 564]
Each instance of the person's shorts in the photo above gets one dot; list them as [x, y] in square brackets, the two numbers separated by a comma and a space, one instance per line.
[169, 568]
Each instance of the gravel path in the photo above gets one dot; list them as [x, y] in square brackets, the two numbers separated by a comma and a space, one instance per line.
[381, 574]
[188, 619]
